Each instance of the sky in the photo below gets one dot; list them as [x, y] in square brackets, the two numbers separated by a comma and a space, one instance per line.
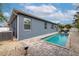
[62, 13]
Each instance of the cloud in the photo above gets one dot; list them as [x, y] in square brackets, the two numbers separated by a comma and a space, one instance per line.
[64, 15]
[6, 14]
[42, 8]
[71, 12]
[50, 12]
[57, 15]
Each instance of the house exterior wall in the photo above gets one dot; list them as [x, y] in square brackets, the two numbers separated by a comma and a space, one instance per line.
[13, 27]
[37, 28]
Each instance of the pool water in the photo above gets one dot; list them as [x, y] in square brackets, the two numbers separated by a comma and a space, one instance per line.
[57, 39]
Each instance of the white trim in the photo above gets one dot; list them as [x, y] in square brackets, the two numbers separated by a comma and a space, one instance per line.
[17, 27]
[27, 30]
[30, 25]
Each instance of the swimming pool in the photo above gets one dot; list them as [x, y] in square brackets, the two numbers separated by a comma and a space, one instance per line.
[57, 39]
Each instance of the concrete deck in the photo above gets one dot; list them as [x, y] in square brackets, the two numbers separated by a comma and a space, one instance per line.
[37, 47]
[74, 40]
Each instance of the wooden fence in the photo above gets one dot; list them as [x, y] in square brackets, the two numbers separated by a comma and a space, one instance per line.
[7, 35]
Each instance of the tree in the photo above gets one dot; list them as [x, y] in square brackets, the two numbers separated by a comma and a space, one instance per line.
[68, 26]
[61, 26]
[76, 17]
[2, 17]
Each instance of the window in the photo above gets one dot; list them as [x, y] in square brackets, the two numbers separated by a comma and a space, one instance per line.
[52, 26]
[45, 25]
[27, 24]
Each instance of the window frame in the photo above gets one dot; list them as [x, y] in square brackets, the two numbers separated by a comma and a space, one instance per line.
[45, 25]
[52, 26]
[24, 23]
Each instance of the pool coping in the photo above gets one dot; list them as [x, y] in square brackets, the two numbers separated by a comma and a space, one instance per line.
[49, 35]
[67, 44]
[41, 37]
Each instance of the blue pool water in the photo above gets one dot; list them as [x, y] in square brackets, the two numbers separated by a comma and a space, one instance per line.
[58, 39]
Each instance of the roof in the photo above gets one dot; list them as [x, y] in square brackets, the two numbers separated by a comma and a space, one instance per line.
[19, 12]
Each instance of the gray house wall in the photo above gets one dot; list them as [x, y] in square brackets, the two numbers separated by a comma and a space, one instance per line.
[37, 28]
[13, 27]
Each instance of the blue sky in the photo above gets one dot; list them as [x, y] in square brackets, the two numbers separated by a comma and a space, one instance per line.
[55, 12]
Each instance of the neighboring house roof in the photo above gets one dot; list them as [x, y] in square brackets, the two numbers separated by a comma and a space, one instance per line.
[17, 12]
